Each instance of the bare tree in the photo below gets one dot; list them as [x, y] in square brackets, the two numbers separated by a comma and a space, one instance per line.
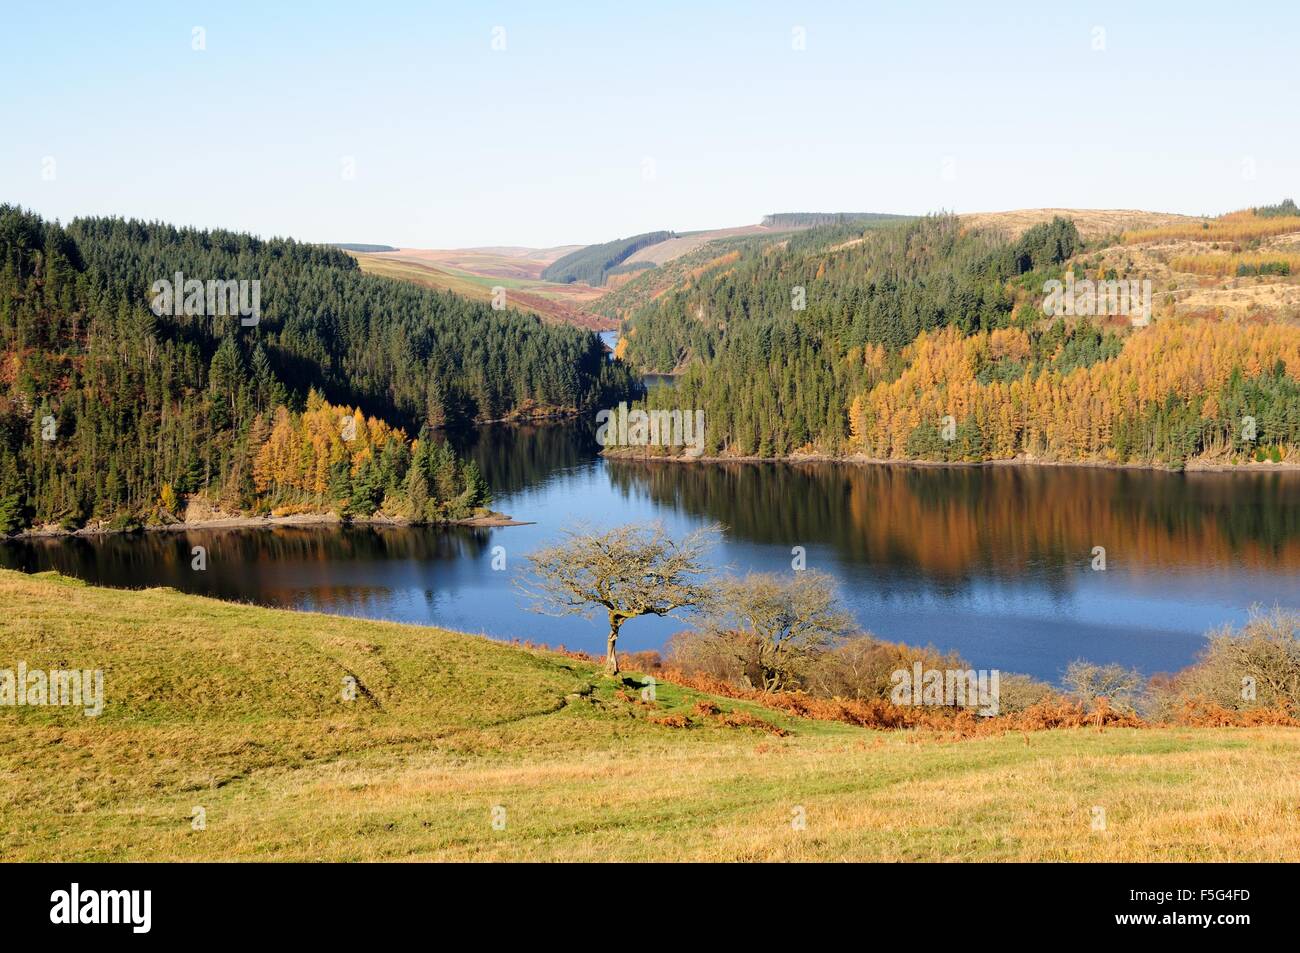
[629, 571]
[776, 626]
[1257, 665]
[1088, 682]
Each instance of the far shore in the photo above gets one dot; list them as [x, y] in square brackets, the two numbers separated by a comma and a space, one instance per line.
[1194, 466]
[264, 522]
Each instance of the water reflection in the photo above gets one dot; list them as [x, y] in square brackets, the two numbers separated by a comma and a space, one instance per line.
[957, 524]
[994, 562]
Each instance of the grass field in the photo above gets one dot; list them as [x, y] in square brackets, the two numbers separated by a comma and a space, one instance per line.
[240, 711]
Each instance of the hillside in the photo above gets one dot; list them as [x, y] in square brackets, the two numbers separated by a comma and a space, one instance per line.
[624, 298]
[1193, 261]
[674, 246]
[936, 340]
[670, 249]
[120, 396]
[687, 260]
[594, 263]
[238, 712]
[586, 286]
[1091, 223]
[474, 273]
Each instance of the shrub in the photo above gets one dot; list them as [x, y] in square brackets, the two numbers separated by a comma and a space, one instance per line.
[647, 661]
[123, 522]
[670, 721]
[743, 719]
[1090, 683]
[1018, 693]
[862, 667]
[775, 628]
[1256, 667]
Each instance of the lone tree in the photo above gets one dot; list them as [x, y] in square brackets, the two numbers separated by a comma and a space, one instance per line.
[629, 571]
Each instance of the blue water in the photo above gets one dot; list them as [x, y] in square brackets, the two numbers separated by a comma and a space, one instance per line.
[995, 563]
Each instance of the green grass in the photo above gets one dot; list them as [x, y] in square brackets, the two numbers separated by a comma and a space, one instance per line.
[239, 710]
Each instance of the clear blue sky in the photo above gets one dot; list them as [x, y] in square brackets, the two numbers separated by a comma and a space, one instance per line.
[898, 107]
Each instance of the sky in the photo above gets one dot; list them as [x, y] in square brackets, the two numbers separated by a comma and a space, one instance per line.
[440, 125]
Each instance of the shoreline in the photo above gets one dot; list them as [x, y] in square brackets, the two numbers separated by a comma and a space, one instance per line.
[860, 460]
[264, 522]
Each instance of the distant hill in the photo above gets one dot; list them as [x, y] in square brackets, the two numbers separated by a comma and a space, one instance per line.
[674, 246]
[690, 256]
[354, 246]
[1091, 223]
[593, 263]
[570, 283]
[477, 272]
[521, 252]
[814, 219]
[687, 263]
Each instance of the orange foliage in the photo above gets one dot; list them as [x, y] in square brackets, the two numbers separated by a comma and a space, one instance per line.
[1206, 715]
[1235, 227]
[1052, 712]
[302, 448]
[877, 713]
[743, 719]
[670, 721]
[1225, 265]
[1064, 417]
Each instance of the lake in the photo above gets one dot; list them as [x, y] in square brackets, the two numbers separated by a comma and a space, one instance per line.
[995, 562]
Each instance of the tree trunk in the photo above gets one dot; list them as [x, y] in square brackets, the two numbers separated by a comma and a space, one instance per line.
[611, 656]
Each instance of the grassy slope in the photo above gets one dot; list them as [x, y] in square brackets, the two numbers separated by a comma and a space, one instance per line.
[477, 287]
[237, 709]
[554, 302]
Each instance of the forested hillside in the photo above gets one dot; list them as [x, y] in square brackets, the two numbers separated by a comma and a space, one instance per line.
[929, 341]
[629, 298]
[111, 411]
[593, 263]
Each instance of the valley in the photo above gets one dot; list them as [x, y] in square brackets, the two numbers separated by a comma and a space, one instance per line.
[648, 433]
